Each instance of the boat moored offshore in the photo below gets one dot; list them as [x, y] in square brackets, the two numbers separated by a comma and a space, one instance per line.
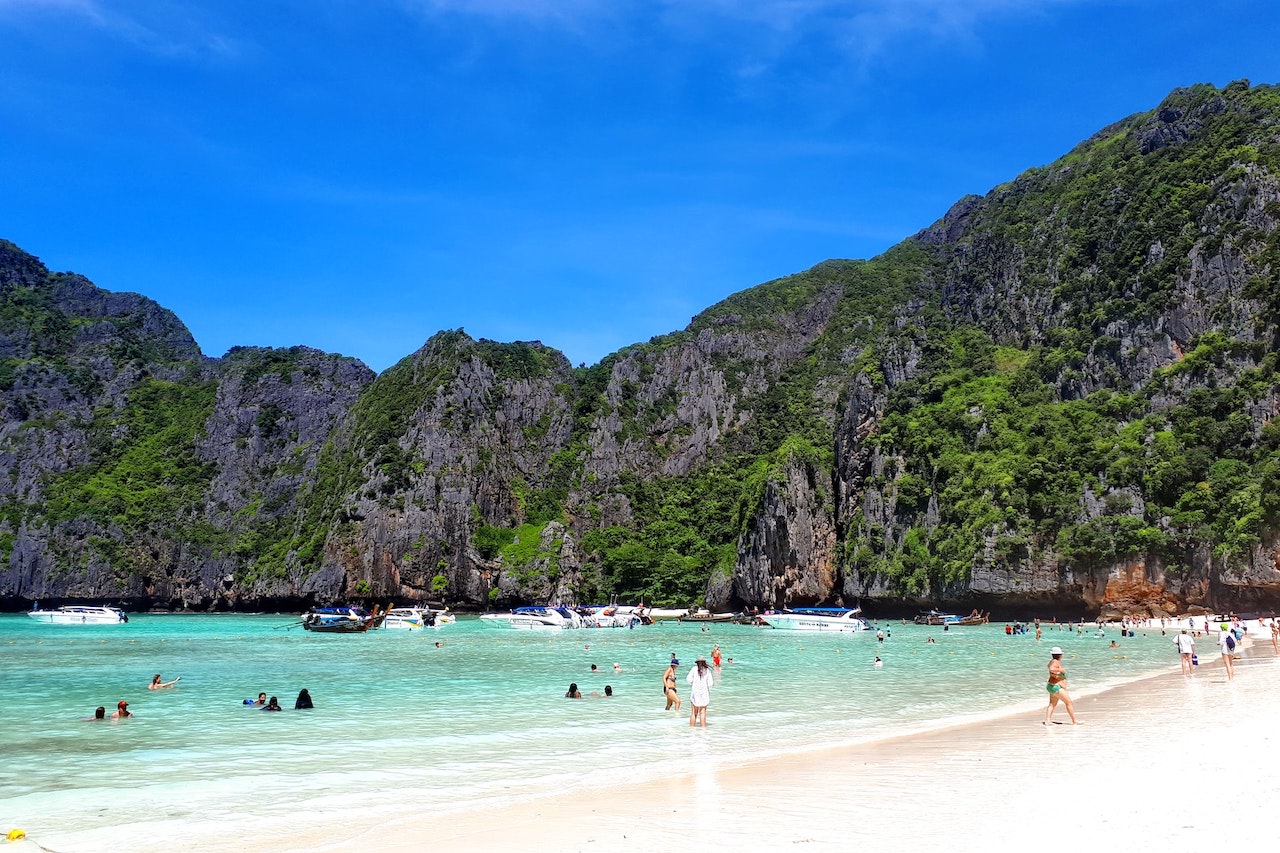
[817, 619]
[535, 617]
[75, 614]
[340, 620]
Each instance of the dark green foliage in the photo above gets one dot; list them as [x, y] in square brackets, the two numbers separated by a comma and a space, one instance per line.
[149, 478]
[517, 360]
[258, 362]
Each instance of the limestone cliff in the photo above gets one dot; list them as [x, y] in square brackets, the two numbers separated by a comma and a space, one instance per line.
[1058, 398]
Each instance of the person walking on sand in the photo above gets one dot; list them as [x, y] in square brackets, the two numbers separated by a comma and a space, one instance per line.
[1227, 645]
[1057, 687]
[1186, 648]
[669, 685]
[700, 680]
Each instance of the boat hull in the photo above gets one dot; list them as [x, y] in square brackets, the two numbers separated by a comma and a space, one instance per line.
[535, 619]
[706, 617]
[790, 621]
[340, 621]
[80, 616]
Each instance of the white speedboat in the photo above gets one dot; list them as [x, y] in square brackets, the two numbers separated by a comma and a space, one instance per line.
[416, 618]
[614, 616]
[80, 615]
[817, 619]
[408, 618]
[534, 618]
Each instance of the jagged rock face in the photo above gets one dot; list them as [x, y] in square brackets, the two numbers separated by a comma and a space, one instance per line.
[89, 375]
[787, 557]
[804, 410]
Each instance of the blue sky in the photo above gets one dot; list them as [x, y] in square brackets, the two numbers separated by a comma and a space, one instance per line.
[356, 176]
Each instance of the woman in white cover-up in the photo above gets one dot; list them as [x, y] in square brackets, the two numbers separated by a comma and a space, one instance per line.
[700, 681]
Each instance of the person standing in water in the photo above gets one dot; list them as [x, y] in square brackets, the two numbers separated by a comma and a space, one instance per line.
[1057, 687]
[669, 685]
[700, 681]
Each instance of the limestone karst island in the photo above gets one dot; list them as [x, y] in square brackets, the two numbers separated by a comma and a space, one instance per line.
[1058, 398]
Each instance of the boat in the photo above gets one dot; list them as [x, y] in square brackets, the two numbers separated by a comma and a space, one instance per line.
[843, 619]
[659, 614]
[535, 618]
[936, 617]
[614, 616]
[76, 614]
[409, 618]
[340, 620]
[704, 615]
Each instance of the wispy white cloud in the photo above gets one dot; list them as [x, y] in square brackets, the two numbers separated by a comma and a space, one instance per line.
[569, 13]
[169, 30]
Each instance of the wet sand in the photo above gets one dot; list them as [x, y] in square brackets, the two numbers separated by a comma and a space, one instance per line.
[1168, 763]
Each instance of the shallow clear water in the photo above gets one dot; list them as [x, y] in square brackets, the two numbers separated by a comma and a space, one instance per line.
[402, 724]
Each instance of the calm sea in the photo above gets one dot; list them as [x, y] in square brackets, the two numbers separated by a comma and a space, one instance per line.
[403, 726]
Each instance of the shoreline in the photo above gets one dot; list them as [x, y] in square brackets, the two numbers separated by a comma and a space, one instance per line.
[973, 785]
[743, 786]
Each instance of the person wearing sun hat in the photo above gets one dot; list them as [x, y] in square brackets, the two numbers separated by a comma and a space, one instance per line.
[700, 680]
[122, 710]
[1057, 687]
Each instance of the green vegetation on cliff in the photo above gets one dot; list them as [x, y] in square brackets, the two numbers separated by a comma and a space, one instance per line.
[146, 477]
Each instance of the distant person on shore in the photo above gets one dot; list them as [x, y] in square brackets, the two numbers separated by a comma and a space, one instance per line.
[669, 685]
[1227, 645]
[1186, 648]
[122, 710]
[700, 681]
[303, 702]
[573, 692]
[1057, 688]
[157, 684]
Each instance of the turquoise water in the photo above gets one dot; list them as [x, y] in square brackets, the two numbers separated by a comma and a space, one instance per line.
[403, 726]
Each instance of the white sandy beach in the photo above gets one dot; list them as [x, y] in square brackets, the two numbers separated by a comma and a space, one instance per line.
[1170, 763]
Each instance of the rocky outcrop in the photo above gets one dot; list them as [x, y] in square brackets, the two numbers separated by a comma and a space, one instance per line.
[829, 436]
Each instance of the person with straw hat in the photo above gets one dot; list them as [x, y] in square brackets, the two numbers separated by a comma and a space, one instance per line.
[1057, 687]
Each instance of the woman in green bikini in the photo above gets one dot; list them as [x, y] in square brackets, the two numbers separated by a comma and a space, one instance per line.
[1057, 687]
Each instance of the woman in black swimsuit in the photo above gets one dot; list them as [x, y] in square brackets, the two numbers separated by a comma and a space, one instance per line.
[669, 686]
